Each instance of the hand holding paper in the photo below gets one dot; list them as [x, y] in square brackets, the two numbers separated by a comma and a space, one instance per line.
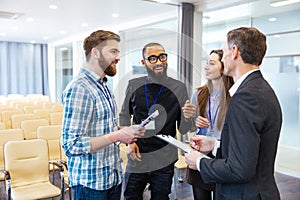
[203, 143]
[192, 157]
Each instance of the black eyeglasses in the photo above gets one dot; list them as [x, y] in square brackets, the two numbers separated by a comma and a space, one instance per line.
[153, 59]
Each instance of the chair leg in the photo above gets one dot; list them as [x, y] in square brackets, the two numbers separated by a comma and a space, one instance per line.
[175, 184]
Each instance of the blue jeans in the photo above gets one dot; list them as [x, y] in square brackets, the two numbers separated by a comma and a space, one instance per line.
[160, 184]
[84, 193]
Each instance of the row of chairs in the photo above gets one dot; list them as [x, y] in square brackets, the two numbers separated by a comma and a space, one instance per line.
[13, 118]
[24, 98]
[51, 134]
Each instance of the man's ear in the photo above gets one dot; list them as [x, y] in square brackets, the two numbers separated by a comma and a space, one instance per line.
[95, 53]
[234, 52]
[143, 62]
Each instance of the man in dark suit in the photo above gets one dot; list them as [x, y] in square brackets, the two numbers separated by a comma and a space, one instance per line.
[244, 166]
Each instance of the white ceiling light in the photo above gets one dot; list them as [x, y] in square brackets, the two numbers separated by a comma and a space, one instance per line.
[283, 2]
[30, 19]
[63, 48]
[272, 19]
[53, 7]
[115, 15]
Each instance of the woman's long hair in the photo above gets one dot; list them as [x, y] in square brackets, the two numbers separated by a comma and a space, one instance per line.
[205, 91]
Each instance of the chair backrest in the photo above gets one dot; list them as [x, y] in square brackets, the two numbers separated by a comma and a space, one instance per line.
[49, 105]
[56, 118]
[29, 109]
[123, 155]
[27, 161]
[6, 116]
[51, 134]
[5, 136]
[20, 105]
[29, 127]
[58, 108]
[2, 126]
[43, 113]
[16, 119]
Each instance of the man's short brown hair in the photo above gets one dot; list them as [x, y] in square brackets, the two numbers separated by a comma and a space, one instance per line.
[95, 38]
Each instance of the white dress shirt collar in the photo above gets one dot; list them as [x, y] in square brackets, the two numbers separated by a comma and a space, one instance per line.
[237, 84]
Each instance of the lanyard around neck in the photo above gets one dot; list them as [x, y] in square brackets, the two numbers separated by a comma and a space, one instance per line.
[104, 89]
[212, 122]
[147, 95]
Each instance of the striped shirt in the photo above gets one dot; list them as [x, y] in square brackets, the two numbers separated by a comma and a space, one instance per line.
[90, 111]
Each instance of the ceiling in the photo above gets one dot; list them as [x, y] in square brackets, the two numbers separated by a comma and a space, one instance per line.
[33, 20]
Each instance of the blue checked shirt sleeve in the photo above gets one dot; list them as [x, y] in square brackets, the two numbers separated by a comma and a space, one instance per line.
[78, 108]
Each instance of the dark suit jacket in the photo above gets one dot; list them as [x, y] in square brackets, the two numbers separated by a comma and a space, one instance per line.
[245, 167]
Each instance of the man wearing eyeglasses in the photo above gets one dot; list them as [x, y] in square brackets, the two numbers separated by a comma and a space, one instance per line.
[151, 160]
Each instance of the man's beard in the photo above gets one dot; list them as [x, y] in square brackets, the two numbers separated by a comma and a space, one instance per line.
[159, 78]
[110, 70]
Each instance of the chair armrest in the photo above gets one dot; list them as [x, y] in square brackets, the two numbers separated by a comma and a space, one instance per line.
[7, 179]
[6, 173]
[57, 164]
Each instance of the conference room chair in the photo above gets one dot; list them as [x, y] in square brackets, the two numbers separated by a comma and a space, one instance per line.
[64, 163]
[123, 155]
[29, 127]
[4, 108]
[34, 97]
[43, 113]
[6, 116]
[57, 108]
[49, 105]
[2, 126]
[21, 105]
[52, 134]
[16, 119]
[5, 136]
[27, 170]
[56, 118]
[29, 109]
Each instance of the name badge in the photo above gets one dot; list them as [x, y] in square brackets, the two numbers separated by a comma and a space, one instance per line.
[150, 125]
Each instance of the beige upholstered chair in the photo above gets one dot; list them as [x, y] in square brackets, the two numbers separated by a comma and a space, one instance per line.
[56, 118]
[123, 155]
[5, 136]
[2, 126]
[29, 127]
[49, 105]
[29, 109]
[6, 116]
[43, 113]
[64, 163]
[58, 108]
[51, 134]
[16, 119]
[27, 167]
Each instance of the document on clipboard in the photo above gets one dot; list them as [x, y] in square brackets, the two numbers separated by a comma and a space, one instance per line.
[174, 142]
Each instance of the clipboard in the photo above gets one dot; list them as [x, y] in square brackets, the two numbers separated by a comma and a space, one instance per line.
[174, 142]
